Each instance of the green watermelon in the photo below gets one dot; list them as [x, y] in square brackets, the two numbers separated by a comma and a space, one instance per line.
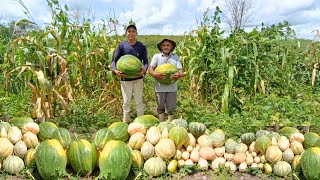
[310, 163]
[63, 136]
[119, 130]
[167, 69]
[46, 130]
[147, 120]
[20, 121]
[129, 65]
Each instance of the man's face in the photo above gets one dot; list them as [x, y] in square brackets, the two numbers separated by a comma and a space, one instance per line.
[166, 47]
[131, 33]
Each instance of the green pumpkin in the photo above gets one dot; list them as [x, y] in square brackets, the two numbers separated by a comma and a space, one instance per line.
[120, 131]
[46, 130]
[155, 166]
[4, 125]
[165, 124]
[230, 146]
[180, 122]
[197, 129]
[147, 120]
[217, 138]
[167, 69]
[282, 168]
[248, 138]
[82, 156]
[262, 144]
[179, 136]
[273, 135]
[63, 136]
[13, 164]
[310, 163]
[102, 137]
[261, 133]
[288, 131]
[115, 160]
[129, 65]
[51, 159]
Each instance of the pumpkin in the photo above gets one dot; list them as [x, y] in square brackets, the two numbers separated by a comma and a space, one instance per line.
[239, 158]
[147, 120]
[165, 148]
[310, 163]
[6, 147]
[165, 124]
[248, 138]
[242, 148]
[5, 125]
[172, 166]
[180, 122]
[13, 164]
[288, 155]
[115, 160]
[137, 159]
[217, 139]
[46, 130]
[136, 127]
[310, 139]
[230, 145]
[297, 137]
[102, 137]
[147, 150]
[30, 157]
[288, 131]
[3, 133]
[296, 163]
[207, 153]
[30, 139]
[120, 131]
[14, 134]
[197, 129]
[282, 168]
[129, 65]
[179, 136]
[267, 168]
[20, 121]
[195, 155]
[155, 166]
[283, 143]
[82, 156]
[205, 141]
[136, 140]
[273, 154]
[63, 136]
[20, 149]
[167, 69]
[261, 133]
[31, 127]
[51, 159]
[203, 164]
[273, 135]
[296, 147]
[153, 135]
[262, 144]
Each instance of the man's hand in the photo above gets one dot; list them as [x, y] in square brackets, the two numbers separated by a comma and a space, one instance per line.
[175, 76]
[119, 73]
[143, 71]
[160, 76]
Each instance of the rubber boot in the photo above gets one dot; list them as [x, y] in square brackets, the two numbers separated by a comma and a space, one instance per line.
[161, 117]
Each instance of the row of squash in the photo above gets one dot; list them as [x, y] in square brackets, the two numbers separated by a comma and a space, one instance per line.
[158, 147]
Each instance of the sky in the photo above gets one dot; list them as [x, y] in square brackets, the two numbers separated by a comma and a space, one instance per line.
[173, 17]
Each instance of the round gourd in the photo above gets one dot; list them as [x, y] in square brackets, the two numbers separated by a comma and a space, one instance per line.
[273, 135]
[205, 141]
[147, 120]
[51, 159]
[63, 136]
[14, 134]
[137, 159]
[167, 69]
[282, 168]
[155, 166]
[310, 163]
[230, 145]
[296, 147]
[310, 139]
[129, 65]
[248, 138]
[288, 155]
[46, 130]
[82, 156]
[261, 133]
[179, 136]
[165, 148]
[120, 131]
[115, 160]
[102, 137]
[30, 139]
[13, 164]
[197, 129]
[6, 147]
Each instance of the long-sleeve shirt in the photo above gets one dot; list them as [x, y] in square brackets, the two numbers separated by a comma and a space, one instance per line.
[138, 49]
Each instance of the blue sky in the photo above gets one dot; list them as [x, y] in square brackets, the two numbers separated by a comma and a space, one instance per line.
[174, 17]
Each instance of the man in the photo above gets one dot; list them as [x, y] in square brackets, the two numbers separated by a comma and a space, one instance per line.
[131, 86]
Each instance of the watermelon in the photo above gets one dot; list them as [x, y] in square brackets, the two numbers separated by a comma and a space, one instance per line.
[83, 156]
[115, 160]
[46, 130]
[167, 69]
[310, 139]
[51, 159]
[129, 65]
[147, 120]
[63, 136]
[119, 130]
[20, 121]
[197, 129]
[310, 163]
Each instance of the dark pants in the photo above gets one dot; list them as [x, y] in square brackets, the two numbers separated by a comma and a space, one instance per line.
[166, 100]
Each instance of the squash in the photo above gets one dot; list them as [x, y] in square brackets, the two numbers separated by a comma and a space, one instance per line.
[165, 124]
[102, 137]
[155, 166]
[153, 135]
[6, 147]
[261, 133]
[14, 134]
[30, 157]
[137, 159]
[296, 147]
[282, 168]
[283, 143]
[218, 138]
[165, 148]
[172, 166]
[13, 164]
[195, 155]
[147, 120]
[136, 127]
[197, 129]
[147, 150]
[180, 122]
[46, 130]
[207, 153]
[205, 141]
[20, 149]
[203, 164]
[297, 137]
[262, 144]
[230, 145]
[273, 154]
[310, 139]
[31, 127]
[30, 139]
[288, 131]
[191, 141]
[20, 121]
[239, 158]
[136, 141]
[288, 155]
[248, 138]
[179, 136]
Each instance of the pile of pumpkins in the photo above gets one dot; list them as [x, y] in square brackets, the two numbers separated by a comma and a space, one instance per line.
[156, 148]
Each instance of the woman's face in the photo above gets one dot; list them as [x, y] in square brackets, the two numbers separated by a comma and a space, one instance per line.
[131, 34]
[166, 47]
